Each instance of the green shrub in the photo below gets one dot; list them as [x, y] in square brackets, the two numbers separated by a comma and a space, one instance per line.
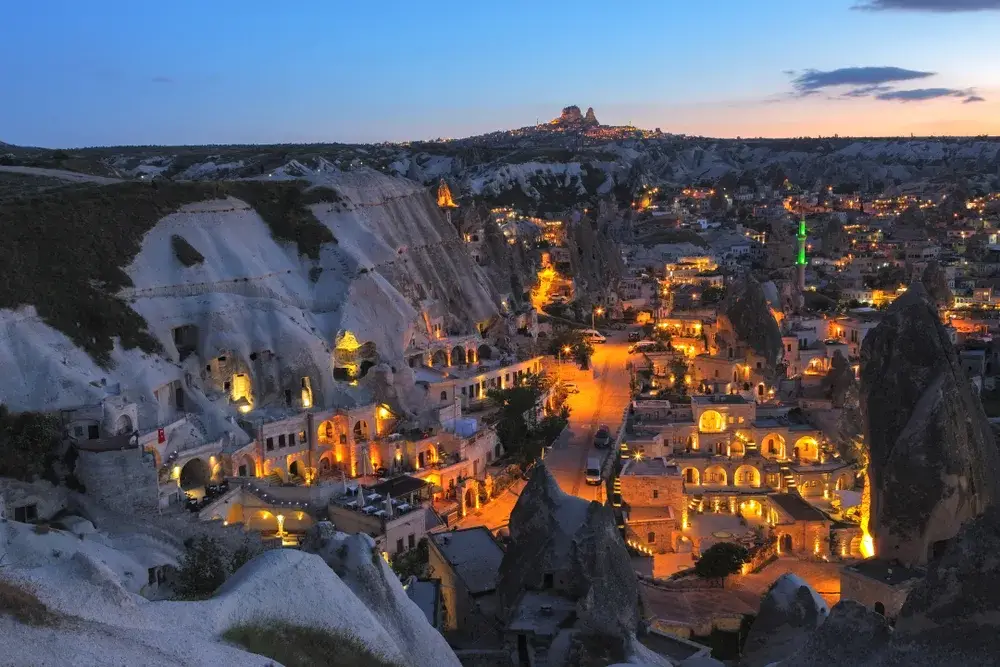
[298, 646]
[203, 569]
[27, 440]
[186, 253]
[720, 560]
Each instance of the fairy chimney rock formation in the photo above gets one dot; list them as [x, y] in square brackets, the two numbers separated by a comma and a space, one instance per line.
[570, 547]
[934, 463]
[745, 319]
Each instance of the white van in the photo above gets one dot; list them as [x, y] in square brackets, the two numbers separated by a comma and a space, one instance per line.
[593, 473]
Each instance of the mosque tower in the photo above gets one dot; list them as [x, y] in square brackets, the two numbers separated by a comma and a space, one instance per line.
[800, 260]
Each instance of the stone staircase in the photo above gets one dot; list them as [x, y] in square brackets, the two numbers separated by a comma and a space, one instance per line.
[788, 479]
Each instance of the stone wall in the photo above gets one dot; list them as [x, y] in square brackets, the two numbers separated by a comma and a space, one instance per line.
[663, 531]
[48, 499]
[855, 586]
[637, 491]
[124, 480]
[808, 537]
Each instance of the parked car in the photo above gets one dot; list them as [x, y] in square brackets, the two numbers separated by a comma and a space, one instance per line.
[643, 346]
[594, 471]
[571, 387]
[593, 336]
[602, 438]
[634, 336]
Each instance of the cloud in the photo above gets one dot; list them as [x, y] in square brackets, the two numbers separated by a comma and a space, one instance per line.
[162, 79]
[973, 98]
[810, 81]
[920, 94]
[866, 91]
[950, 6]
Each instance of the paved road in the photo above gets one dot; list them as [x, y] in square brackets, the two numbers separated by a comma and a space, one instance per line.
[604, 393]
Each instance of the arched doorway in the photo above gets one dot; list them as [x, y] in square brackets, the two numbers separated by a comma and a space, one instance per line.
[420, 460]
[711, 421]
[786, 543]
[470, 497]
[774, 446]
[296, 470]
[716, 475]
[244, 466]
[807, 448]
[194, 474]
[458, 356]
[484, 352]
[361, 431]
[842, 483]
[880, 608]
[439, 358]
[855, 547]
[692, 476]
[124, 425]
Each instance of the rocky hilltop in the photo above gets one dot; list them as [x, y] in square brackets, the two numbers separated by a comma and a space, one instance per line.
[934, 463]
[282, 268]
[78, 594]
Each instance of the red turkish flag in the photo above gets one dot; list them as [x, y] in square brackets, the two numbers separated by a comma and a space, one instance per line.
[161, 436]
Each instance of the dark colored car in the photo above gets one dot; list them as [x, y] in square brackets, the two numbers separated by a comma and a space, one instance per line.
[602, 438]
[634, 336]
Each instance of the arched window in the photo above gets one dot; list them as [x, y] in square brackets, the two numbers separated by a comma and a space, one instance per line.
[651, 538]
[444, 395]
[880, 608]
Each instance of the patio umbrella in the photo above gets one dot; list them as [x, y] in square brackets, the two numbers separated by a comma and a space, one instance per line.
[388, 504]
[361, 497]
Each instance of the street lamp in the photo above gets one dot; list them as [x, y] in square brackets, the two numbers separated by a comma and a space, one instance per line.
[596, 311]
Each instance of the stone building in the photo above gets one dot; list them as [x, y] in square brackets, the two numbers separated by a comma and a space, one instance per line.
[800, 528]
[879, 585]
[467, 562]
[652, 495]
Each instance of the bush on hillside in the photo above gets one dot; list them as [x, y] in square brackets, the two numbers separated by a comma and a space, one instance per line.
[27, 440]
[18, 599]
[298, 646]
[203, 569]
[186, 253]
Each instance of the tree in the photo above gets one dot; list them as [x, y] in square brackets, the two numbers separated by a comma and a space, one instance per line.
[679, 369]
[203, 569]
[579, 349]
[413, 562]
[721, 560]
[27, 441]
[517, 428]
[713, 294]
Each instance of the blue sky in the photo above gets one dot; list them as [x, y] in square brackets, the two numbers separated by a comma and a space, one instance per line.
[221, 71]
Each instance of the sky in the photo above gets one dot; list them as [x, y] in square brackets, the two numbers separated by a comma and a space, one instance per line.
[111, 72]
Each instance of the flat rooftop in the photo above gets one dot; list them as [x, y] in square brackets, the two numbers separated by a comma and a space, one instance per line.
[426, 593]
[542, 613]
[888, 572]
[797, 508]
[473, 554]
[720, 399]
[656, 466]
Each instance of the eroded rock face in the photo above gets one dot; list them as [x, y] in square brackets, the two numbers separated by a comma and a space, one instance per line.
[935, 282]
[355, 560]
[745, 318]
[852, 635]
[955, 610]
[590, 118]
[564, 543]
[934, 463]
[789, 615]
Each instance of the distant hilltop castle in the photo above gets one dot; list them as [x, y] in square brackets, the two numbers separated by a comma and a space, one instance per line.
[571, 117]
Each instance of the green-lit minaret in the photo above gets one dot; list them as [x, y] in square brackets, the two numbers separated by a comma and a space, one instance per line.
[800, 261]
